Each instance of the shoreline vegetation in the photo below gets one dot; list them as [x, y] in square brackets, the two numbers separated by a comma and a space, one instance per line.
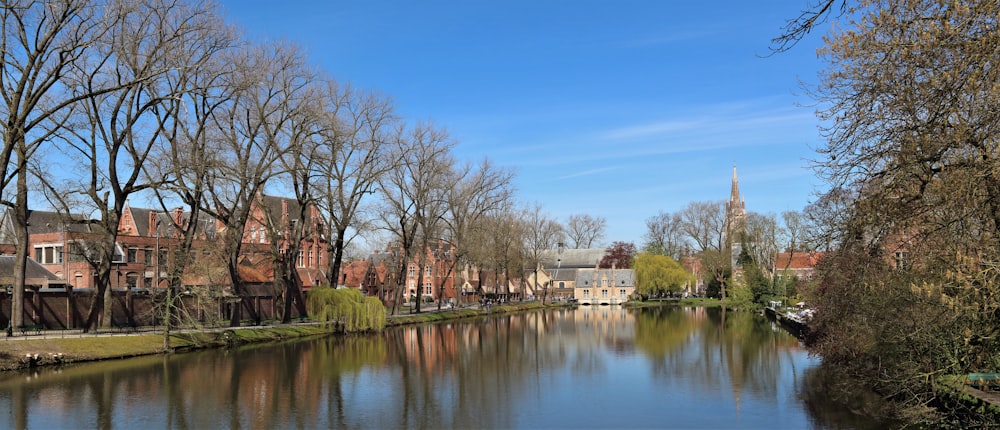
[55, 348]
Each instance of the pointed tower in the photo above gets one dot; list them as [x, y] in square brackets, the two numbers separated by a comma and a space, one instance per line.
[736, 215]
[736, 212]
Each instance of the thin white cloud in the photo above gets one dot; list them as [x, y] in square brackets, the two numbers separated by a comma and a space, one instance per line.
[655, 129]
[586, 173]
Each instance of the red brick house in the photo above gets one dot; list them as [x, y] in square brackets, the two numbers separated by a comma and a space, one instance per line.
[374, 274]
[58, 244]
[801, 264]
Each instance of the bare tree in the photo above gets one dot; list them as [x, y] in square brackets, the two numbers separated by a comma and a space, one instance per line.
[291, 227]
[266, 78]
[114, 132]
[356, 152]
[413, 197]
[760, 239]
[704, 223]
[815, 14]
[41, 43]
[583, 230]
[480, 191]
[181, 168]
[503, 250]
[541, 235]
[664, 235]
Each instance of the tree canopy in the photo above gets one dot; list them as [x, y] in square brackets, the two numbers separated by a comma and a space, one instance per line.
[656, 275]
[908, 102]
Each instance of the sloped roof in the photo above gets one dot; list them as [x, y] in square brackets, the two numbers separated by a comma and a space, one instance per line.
[564, 274]
[50, 222]
[621, 277]
[354, 271]
[273, 205]
[572, 258]
[797, 260]
[32, 270]
[251, 274]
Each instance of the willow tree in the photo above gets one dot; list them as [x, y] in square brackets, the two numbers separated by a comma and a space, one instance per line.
[346, 308]
[909, 102]
[656, 275]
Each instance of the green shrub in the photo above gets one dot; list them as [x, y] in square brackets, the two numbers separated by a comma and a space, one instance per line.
[347, 308]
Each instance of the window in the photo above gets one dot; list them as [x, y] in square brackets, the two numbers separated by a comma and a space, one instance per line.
[621, 293]
[310, 260]
[411, 271]
[562, 284]
[301, 259]
[131, 279]
[604, 282]
[604, 294]
[427, 270]
[133, 255]
[147, 256]
[76, 252]
[161, 258]
[586, 293]
[147, 282]
[49, 254]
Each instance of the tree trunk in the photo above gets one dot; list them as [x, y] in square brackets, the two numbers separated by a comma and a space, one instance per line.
[20, 261]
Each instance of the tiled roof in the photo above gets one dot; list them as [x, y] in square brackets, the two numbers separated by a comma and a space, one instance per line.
[32, 270]
[52, 222]
[621, 277]
[572, 258]
[797, 260]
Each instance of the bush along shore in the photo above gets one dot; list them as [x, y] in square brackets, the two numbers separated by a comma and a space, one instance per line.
[58, 347]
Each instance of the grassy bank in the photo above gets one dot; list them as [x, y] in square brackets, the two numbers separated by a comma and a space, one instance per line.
[23, 353]
[41, 351]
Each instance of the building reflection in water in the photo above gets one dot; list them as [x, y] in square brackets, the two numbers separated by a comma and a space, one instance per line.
[600, 366]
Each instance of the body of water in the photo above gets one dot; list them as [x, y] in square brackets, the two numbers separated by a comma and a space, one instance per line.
[591, 367]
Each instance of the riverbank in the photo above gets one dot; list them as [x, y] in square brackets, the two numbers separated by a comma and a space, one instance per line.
[57, 347]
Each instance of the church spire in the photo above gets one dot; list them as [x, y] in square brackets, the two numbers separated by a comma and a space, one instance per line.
[734, 195]
[735, 212]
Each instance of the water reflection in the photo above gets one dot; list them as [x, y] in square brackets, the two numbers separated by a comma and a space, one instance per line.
[588, 368]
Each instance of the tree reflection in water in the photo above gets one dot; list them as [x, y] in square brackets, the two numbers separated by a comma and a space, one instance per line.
[590, 367]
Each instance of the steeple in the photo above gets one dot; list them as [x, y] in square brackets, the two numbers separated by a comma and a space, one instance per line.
[735, 211]
[734, 195]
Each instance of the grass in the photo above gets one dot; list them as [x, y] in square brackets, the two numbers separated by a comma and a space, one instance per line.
[13, 353]
[90, 348]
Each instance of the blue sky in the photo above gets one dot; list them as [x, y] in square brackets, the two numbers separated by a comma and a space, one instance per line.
[615, 108]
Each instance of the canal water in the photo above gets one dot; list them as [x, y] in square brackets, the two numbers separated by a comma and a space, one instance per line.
[592, 367]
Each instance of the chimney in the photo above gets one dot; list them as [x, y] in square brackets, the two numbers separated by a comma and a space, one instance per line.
[152, 224]
[178, 215]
